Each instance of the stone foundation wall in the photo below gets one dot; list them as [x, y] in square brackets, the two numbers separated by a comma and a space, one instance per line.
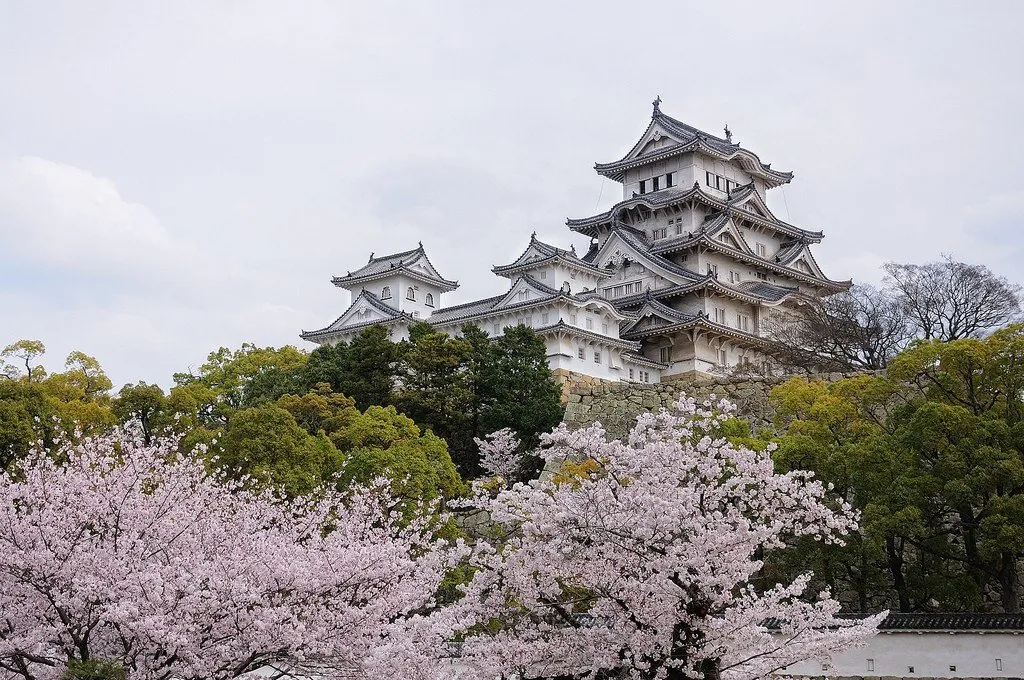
[616, 405]
[572, 382]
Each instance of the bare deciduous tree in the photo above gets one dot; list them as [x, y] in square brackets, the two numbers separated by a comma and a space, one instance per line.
[861, 328]
[949, 300]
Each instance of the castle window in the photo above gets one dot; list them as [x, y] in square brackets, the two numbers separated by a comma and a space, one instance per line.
[631, 374]
[429, 300]
[910, 669]
[597, 357]
[655, 182]
[590, 323]
[604, 328]
[496, 330]
[581, 353]
[543, 273]
[713, 270]
[643, 186]
[660, 233]
[385, 293]
[668, 180]
[759, 249]
[646, 376]
[723, 361]
[572, 319]
[762, 276]
[719, 315]
[743, 322]
[666, 355]
[524, 295]
[529, 320]
[410, 294]
[734, 276]
[544, 318]
[708, 180]
[999, 664]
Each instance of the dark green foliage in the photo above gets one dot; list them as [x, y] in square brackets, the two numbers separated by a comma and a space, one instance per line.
[365, 370]
[144, 404]
[267, 445]
[518, 387]
[26, 415]
[94, 670]
[933, 456]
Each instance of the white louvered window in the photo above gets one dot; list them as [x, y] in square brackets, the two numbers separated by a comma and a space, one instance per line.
[385, 293]
[759, 249]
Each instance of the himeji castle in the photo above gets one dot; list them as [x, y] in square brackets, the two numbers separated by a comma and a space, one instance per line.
[685, 275]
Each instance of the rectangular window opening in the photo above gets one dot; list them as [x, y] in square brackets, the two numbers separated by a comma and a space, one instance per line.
[668, 180]
[643, 186]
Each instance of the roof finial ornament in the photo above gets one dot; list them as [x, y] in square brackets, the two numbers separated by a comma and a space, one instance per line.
[657, 105]
[371, 257]
[533, 236]
[421, 245]
[728, 134]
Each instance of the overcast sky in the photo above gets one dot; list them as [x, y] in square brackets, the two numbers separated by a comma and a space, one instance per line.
[179, 176]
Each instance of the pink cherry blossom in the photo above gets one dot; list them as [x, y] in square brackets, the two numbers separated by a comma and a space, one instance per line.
[119, 551]
[640, 557]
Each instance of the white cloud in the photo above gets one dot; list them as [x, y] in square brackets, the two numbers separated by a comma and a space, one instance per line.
[67, 217]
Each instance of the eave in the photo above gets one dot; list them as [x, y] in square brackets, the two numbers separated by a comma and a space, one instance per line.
[665, 198]
[352, 281]
[616, 170]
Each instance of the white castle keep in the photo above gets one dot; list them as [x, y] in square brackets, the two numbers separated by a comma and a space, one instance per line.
[681, 277]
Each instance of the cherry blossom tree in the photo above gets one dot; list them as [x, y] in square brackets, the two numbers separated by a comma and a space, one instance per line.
[641, 558]
[131, 554]
[500, 455]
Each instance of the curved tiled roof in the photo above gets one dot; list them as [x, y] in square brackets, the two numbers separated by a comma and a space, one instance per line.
[490, 305]
[967, 622]
[562, 326]
[391, 315]
[387, 265]
[668, 197]
[690, 139]
[547, 253]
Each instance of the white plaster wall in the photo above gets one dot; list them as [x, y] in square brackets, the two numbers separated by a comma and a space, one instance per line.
[930, 653]
[728, 169]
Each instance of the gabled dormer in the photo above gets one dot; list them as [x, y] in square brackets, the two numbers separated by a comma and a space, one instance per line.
[552, 266]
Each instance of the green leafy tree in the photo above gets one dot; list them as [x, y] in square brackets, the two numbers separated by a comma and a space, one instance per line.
[144, 404]
[436, 390]
[518, 388]
[26, 353]
[234, 379]
[265, 444]
[370, 368]
[933, 456]
[384, 443]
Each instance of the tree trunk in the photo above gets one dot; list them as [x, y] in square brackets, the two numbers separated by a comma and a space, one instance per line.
[1008, 582]
[894, 558]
